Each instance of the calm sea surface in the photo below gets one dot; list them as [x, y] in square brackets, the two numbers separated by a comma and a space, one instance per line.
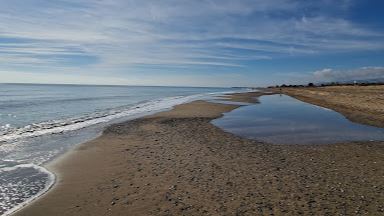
[39, 122]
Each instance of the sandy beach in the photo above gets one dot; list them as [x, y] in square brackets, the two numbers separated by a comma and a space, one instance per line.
[178, 163]
[362, 104]
[191, 107]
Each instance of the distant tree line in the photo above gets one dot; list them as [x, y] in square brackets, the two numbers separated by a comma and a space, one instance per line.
[328, 84]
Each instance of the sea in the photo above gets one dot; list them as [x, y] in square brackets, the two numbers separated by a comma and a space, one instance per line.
[40, 122]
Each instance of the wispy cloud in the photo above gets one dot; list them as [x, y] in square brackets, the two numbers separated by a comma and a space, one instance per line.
[120, 34]
[364, 73]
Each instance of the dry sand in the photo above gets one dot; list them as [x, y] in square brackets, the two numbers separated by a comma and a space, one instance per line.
[177, 163]
[363, 104]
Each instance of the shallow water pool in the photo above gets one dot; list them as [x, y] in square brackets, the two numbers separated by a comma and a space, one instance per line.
[281, 119]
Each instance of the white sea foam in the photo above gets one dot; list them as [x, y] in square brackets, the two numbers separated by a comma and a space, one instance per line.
[8, 169]
[11, 135]
[63, 125]
[50, 182]
[16, 140]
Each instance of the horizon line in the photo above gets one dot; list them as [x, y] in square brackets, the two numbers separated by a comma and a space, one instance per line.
[121, 85]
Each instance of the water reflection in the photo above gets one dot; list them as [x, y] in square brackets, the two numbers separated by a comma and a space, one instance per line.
[281, 119]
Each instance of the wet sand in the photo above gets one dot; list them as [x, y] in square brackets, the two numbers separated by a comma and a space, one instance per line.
[177, 163]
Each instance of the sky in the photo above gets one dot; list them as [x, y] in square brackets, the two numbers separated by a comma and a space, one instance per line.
[190, 42]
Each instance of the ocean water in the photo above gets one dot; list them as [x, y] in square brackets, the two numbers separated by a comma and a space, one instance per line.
[281, 119]
[40, 122]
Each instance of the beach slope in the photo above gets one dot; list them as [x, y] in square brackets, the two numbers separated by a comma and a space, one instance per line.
[362, 104]
[178, 163]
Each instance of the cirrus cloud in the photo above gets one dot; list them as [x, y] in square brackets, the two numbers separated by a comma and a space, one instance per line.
[364, 73]
[118, 36]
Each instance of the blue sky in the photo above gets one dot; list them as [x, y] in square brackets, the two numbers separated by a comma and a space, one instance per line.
[190, 42]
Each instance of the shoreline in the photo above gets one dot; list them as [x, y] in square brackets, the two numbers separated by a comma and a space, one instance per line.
[29, 201]
[52, 166]
[50, 169]
[184, 117]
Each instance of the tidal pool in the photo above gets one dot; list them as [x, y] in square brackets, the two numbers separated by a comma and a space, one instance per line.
[281, 119]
